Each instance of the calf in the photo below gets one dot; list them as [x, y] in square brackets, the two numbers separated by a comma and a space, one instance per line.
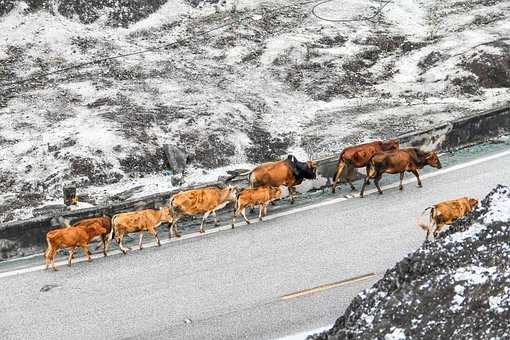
[103, 221]
[199, 201]
[357, 156]
[399, 161]
[137, 221]
[446, 213]
[261, 196]
[71, 237]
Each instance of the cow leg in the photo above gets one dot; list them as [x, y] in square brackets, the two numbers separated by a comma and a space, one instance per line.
[365, 182]
[350, 174]
[204, 219]
[173, 229]
[216, 222]
[121, 246]
[376, 182]
[401, 187]
[53, 253]
[243, 212]
[85, 249]
[140, 242]
[103, 241]
[291, 194]
[265, 209]
[261, 208]
[71, 255]
[158, 241]
[338, 172]
[415, 172]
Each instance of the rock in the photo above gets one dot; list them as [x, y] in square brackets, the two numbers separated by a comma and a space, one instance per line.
[457, 285]
[176, 158]
[8, 248]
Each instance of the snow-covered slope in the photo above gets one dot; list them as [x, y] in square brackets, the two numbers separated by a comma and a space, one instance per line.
[280, 80]
[457, 287]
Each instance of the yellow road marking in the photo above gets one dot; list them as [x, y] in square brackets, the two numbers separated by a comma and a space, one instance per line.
[327, 286]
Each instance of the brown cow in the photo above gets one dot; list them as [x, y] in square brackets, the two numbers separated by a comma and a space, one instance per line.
[446, 213]
[71, 237]
[357, 156]
[289, 172]
[399, 161]
[260, 196]
[199, 201]
[103, 221]
[138, 221]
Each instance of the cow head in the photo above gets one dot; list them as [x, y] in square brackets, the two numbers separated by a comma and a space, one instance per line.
[390, 145]
[231, 193]
[311, 172]
[432, 160]
[473, 202]
[166, 216]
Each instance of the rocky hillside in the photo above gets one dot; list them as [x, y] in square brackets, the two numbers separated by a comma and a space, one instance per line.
[268, 79]
[455, 288]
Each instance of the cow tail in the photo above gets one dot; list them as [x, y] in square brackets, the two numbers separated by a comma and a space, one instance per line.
[335, 179]
[112, 222]
[251, 180]
[49, 240]
[422, 225]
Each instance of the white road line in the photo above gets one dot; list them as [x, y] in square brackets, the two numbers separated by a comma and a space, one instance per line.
[270, 217]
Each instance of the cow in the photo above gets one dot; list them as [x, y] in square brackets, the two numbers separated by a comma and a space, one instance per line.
[399, 161]
[199, 201]
[446, 213]
[138, 221]
[357, 156]
[260, 196]
[289, 172]
[71, 237]
[103, 221]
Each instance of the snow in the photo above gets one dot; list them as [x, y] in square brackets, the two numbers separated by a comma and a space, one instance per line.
[500, 210]
[474, 275]
[396, 334]
[460, 237]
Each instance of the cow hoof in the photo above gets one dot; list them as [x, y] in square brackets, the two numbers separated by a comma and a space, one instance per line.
[141, 248]
[401, 188]
[260, 219]
[232, 226]
[177, 235]
[248, 222]
[201, 231]
[55, 269]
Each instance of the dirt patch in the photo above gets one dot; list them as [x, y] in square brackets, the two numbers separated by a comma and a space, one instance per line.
[467, 85]
[209, 150]
[430, 60]
[264, 146]
[492, 70]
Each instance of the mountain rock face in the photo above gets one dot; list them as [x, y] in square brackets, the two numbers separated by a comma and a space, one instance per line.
[457, 287]
[230, 83]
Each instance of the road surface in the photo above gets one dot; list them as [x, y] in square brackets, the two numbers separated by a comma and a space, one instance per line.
[229, 284]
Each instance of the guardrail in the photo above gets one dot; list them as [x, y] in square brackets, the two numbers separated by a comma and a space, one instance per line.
[464, 131]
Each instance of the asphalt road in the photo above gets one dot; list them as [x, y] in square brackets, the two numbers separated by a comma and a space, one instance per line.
[229, 284]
